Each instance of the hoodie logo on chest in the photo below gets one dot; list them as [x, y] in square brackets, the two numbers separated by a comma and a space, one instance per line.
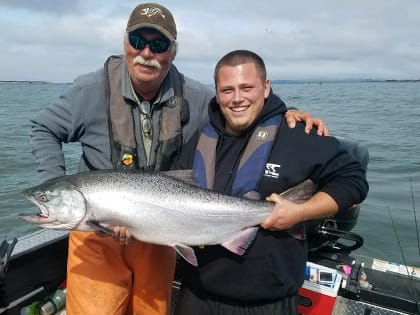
[262, 135]
[272, 170]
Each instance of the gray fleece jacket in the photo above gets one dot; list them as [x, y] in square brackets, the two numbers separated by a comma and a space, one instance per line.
[80, 115]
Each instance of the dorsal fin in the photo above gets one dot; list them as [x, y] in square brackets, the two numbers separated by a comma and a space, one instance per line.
[186, 176]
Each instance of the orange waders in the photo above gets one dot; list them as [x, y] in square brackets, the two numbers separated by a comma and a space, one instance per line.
[104, 277]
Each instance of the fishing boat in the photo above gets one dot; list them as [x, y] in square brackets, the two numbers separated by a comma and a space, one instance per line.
[337, 282]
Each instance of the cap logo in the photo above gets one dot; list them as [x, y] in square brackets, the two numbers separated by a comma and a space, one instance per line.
[149, 12]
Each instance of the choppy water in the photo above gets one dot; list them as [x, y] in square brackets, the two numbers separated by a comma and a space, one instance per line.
[383, 115]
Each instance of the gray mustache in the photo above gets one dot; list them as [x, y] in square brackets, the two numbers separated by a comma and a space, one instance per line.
[148, 63]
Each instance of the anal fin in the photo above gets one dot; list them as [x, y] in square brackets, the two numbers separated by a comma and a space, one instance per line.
[240, 242]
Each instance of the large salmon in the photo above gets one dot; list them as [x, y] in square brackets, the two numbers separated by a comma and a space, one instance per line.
[155, 206]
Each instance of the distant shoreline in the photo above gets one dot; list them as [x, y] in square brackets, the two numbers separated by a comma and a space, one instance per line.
[23, 81]
[321, 81]
[33, 82]
[300, 81]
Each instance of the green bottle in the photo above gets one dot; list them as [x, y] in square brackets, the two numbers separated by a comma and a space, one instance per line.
[54, 303]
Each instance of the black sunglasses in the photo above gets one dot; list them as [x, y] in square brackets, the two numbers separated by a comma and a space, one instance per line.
[157, 46]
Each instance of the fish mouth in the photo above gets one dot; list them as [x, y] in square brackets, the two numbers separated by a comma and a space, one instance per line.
[36, 218]
[39, 217]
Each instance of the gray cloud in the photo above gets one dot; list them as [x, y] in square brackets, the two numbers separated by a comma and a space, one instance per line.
[43, 6]
[57, 40]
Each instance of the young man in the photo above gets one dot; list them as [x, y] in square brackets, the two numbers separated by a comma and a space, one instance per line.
[247, 147]
[134, 113]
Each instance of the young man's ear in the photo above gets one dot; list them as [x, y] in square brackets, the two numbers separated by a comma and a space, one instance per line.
[267, 89]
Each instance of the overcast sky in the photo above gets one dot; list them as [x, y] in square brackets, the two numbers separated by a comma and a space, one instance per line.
[56, 40]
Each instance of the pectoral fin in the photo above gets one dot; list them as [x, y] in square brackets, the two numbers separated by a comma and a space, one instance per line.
[98, 227]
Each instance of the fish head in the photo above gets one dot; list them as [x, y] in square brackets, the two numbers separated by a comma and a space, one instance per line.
[61, 205]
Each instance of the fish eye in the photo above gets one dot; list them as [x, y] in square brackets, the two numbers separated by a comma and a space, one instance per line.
[43, 198]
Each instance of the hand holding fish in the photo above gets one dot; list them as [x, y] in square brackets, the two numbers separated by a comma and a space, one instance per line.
[284, 215]
[119, 233]
[122, 235]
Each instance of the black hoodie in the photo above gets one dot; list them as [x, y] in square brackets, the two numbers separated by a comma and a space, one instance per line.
[229, 147]
[274, 265]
